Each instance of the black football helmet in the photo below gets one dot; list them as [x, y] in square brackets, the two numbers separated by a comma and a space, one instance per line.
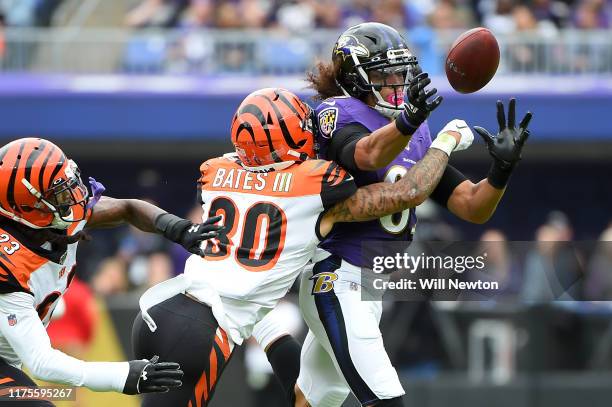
[373, 47]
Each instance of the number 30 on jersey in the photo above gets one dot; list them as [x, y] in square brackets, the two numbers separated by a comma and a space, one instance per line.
[261, 239]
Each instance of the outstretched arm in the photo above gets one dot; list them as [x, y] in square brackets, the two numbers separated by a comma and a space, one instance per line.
[29, 340]
[381, 199]
[468, 201]
[385, 198]
[110, 212]
[476, 203]
[378, 148]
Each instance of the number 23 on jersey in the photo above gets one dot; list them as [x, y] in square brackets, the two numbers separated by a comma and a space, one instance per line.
[9, 248]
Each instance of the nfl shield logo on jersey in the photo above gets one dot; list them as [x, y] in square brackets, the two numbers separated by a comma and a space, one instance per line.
[327, 121]
[12, 320]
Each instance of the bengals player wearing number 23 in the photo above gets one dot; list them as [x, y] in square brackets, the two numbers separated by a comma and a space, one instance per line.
[45, 209]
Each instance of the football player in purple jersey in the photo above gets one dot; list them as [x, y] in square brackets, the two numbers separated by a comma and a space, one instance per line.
[367, 127]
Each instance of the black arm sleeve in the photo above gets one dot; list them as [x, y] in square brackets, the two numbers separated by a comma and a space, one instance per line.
[343, 143]
[449, 181]
[336, 185]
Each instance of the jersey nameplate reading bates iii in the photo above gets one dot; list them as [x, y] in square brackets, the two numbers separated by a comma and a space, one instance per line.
[271, 231]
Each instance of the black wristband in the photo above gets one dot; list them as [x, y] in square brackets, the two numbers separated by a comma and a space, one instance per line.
[171, 226]
[403, 126]
[498, 177]
[135, 369]
[451, 178]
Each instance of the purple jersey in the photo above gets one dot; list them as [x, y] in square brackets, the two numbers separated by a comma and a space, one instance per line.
[345, 239]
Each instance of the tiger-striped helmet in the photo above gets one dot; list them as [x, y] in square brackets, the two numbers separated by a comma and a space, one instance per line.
[272, 129]
[39, 186]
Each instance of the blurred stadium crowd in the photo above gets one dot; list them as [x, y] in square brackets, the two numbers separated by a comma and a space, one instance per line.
[501, 16]
[205, 36]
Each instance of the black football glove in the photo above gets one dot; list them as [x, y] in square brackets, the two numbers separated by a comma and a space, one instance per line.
[507, 145]
[186, 233]
[150, 376]
[417, 108]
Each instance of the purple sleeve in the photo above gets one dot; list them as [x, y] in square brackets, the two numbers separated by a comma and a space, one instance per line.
[332, 115]
[424, 130]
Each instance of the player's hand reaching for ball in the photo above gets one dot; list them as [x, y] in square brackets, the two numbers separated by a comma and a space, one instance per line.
[149, 376]
[506, 147]
[417, 108]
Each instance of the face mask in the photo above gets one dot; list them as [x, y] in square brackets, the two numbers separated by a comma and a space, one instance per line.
[62, 222]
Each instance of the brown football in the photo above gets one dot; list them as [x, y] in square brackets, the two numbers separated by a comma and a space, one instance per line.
[472, 60]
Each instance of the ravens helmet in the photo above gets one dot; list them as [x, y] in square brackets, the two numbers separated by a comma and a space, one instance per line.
[370, 51]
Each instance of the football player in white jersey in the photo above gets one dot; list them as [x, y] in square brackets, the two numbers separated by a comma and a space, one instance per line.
[277, 203]
[44, 208]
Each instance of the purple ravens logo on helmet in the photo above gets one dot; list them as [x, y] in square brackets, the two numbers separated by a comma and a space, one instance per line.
[349, 44]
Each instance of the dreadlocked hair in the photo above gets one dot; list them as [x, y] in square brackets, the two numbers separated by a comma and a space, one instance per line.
[323, 80]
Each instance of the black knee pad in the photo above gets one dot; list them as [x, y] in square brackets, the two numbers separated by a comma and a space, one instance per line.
[394, 402]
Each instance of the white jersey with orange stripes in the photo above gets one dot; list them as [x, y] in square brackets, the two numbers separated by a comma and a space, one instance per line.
[270, 234]
[40, 272]
[32, 280]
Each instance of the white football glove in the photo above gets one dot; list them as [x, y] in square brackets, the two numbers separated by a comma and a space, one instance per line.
[460, 126]
[448, 143]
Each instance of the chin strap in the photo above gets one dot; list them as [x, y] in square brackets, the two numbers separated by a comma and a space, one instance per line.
[342, 89]
[16, 218]
[59, 223]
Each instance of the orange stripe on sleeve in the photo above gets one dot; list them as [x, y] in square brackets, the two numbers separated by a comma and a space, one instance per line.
[213, 369]
[223, 343]
[201, 391]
